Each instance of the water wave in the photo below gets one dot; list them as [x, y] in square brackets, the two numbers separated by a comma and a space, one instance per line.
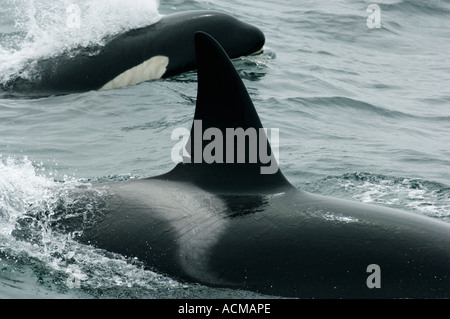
[433, 7]
[32, 204]
[46, 28]
[347, 103]
[420, 196]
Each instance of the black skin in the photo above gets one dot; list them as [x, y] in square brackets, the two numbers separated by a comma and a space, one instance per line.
[227, 225]
[172, 36]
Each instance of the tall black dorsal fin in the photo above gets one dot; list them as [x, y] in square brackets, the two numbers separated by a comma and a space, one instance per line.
[222, 99]
[229, 149]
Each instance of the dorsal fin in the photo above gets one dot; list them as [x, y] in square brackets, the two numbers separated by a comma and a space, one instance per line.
[222, 99]
[229, 149]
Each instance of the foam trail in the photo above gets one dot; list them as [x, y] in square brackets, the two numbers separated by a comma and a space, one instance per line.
[45, 28]
[20, 187]
[28, 192]
[419, 196]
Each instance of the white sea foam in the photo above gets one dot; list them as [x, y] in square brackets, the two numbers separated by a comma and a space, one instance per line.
[27, 190]
[424, 197]
[46, 28]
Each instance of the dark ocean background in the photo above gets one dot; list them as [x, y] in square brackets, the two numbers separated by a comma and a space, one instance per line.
[363, 114]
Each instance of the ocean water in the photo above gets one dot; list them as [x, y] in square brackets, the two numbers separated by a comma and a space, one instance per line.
[363, 114]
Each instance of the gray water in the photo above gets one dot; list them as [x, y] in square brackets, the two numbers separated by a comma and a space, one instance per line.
[363, 114]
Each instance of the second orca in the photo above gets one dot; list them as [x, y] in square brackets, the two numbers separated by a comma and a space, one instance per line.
[161, 50]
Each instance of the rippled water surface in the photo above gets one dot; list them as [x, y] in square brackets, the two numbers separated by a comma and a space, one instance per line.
[363, 114]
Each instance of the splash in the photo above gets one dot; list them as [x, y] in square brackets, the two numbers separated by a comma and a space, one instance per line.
[34, 211]
[20, 188]
[416, 195]
[45, 28]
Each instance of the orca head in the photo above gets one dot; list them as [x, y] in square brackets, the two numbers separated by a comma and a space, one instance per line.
[228, 146]
[237, 37]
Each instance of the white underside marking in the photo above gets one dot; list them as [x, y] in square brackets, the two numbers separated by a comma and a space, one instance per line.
[258, 52]
[151, 69]
[194, 215]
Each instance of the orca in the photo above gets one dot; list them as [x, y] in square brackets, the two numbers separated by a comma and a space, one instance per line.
[225, 224]
[161, 50]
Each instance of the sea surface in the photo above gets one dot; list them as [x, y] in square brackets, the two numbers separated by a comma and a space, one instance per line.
[362, 106]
